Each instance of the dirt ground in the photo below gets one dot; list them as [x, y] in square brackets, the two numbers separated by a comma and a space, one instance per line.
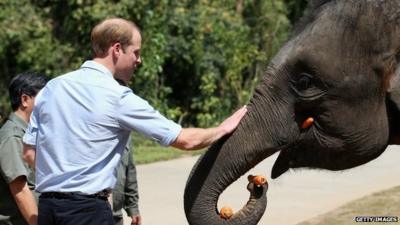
[292, 198]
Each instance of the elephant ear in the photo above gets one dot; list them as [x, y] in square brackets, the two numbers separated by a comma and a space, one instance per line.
[393, 103]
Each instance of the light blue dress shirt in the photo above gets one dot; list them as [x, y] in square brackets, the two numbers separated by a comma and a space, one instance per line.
[80, 125]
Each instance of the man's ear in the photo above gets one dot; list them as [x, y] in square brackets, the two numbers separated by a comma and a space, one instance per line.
[24, 100]
[116, 48]
[393, 106]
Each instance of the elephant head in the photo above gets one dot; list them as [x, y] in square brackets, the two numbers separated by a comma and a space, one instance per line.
[341, 68]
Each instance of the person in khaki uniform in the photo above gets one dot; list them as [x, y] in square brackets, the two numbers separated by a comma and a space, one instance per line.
[17, 202]
[125, 194]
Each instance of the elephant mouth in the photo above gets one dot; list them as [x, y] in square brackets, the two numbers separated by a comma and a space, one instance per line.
[301, 153]
[306, 152]
[332, 158]
[282, 163]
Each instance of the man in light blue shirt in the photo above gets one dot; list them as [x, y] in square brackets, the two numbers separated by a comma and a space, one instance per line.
[81, 123]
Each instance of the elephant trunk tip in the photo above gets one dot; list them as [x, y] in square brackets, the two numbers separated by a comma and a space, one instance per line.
[257, 187]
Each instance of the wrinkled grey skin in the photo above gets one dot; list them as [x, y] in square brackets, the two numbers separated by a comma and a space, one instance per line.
[341, 68]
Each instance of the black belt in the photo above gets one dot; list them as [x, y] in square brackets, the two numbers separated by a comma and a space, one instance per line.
[63, 195]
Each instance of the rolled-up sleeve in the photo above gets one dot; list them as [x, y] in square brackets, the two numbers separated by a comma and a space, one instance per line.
[11, 164]
[134, 113]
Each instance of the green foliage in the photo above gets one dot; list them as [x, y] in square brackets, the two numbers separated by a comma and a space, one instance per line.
[27, 43]
[213, 56]
[201, 58]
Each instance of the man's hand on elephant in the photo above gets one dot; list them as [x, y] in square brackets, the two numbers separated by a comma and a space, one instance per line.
[230, 124]
[136, 220]
[197, 138]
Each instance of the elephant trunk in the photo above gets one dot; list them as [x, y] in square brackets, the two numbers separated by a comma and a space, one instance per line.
[202, 192]
[230, 158]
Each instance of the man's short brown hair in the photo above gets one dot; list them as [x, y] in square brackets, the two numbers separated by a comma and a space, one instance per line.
[109, 32]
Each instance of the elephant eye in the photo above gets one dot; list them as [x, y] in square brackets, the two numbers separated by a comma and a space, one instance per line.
[304, 82]
[307, 87]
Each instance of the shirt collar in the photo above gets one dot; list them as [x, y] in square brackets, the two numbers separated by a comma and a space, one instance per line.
[97, 66]
[18, 120]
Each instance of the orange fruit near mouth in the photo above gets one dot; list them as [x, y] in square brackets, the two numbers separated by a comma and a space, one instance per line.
[307, 123]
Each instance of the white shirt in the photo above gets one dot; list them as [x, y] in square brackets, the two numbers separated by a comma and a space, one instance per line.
[80, 125]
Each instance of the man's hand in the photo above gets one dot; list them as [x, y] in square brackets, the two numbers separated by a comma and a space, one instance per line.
[197, 138]
[136, 220]
[230, 124]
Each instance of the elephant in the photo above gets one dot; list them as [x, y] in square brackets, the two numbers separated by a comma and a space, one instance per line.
[340, 71]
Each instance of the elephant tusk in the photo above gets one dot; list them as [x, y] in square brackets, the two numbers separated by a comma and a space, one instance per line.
[257, 180]
[226, 212]
[307, 123]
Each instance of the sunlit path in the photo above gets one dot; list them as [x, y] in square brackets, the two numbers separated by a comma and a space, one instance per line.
[294, 197]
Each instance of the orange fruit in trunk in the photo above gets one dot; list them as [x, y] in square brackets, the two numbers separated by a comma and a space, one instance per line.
[226, 212]
[259, 180]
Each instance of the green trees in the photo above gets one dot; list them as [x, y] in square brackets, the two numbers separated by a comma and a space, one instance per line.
[201, 58]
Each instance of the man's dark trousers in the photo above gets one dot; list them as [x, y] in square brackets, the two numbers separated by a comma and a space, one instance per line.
[74, 209]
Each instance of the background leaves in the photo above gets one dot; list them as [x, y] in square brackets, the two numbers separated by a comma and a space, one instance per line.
[201, 58]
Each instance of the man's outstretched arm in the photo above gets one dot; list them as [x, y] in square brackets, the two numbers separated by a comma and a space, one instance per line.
[197, 138]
